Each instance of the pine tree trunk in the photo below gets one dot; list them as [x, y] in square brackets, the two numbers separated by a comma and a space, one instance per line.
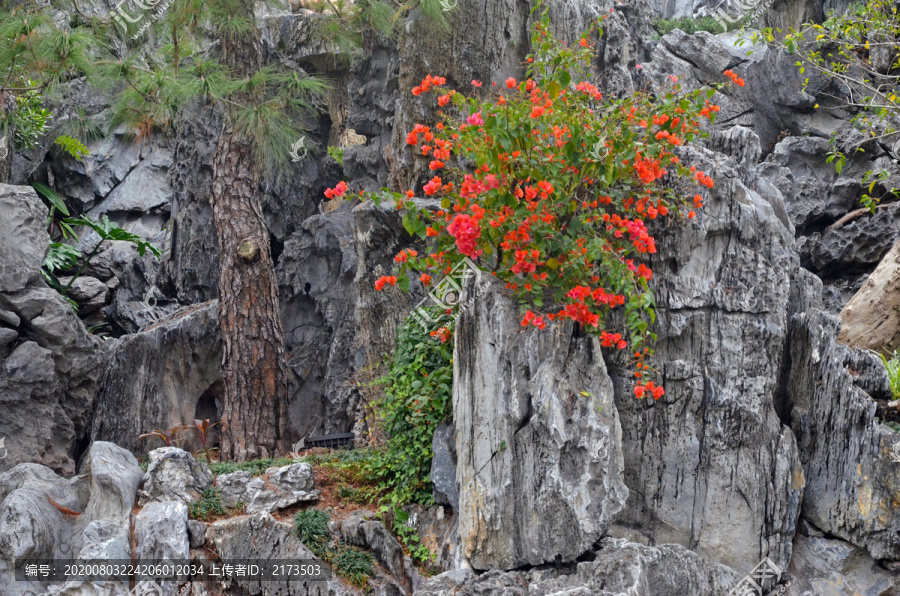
[254, 368]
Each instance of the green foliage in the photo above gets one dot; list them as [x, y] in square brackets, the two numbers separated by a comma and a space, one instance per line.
[337, 154]
[417, 399]
[408, 536]
[311, 528]
[691, 25]
[353, 564]
[892, 365]
[551, 187]
[360, 496]
[72, 146]
[255, 467]
[30, 118]
[210, 506]
[860, 49]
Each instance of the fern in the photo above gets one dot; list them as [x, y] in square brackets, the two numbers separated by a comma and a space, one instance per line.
[72, 146]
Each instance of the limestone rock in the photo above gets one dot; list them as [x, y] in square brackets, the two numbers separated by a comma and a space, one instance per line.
[44, 516]
[827, 567]
[160, 378]
[851, 478]
[276, 489]
[361, 530]
[620, 568]
[537, 437]
[871, 320]
[48, 362]
[174, 475]
[23, 239]
[262, 537]
[443, 466]
[695, 458]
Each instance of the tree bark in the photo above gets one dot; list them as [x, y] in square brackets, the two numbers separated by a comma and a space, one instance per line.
[254, 368]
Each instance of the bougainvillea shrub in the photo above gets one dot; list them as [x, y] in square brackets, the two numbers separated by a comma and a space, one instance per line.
[550, 186]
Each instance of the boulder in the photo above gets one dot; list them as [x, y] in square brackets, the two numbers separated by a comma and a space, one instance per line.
[621, 567]
[161, 378]
[443, 466]
[44, 516]
[537, 437]
[160, 531]
[828, 567]
[89, 293]
[261, 537]
[871, 319]
[174, 475]
[276, 489]
[23, 237]
[49, 364]
[360, 529]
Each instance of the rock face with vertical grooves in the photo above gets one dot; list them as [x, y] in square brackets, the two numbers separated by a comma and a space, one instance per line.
[49, 364]
[710, 465]
[538, 437]
[851, 478]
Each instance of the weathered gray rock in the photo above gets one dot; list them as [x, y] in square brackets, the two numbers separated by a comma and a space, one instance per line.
[160, 531]
[88, 292]
[45, 516]
[23, 239]
[871, 320]
[48, 369]
[262, 537]
[620, 568]
[362, 530]
[695, 459]
[826, 567]
[443, 466]
[276, 489]
[531, 445]
[174, 475]
[196, 533]
[851, 478]
[160, 378]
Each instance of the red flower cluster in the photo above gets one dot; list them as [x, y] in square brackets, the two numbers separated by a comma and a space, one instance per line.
[466, 231]
[404, 254]
[731, 75]
[389, 279]
[533, 319]
[337, 191]
[589, 89]
[649, 387]
[427, 83]
[607, 340]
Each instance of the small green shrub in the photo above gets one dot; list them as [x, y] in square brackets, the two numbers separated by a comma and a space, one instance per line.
[360, 496]
[353, 564]
[311, 528]
[409, 537]
[417, 399]
[690, 25]
[208, 506]
[30, 119]
[892, 365]
[255, 467]
[337, 154]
